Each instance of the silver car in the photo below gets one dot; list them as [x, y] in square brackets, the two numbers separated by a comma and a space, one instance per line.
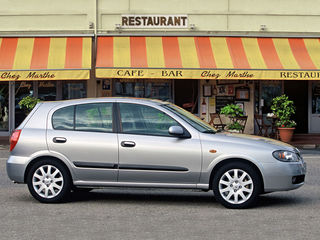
[84, 144]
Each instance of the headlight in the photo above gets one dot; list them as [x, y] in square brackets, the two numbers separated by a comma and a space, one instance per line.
[285, 156]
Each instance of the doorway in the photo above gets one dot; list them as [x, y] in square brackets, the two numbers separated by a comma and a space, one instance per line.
[297, 91]
[186, 94]
[314, 107]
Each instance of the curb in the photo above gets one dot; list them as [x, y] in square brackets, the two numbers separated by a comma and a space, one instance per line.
[306, 146]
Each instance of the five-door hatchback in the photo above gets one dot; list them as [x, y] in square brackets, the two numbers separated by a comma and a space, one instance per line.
[126, 142]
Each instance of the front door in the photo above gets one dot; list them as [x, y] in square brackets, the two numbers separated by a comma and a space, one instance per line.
[314, 99]
[83, 134]
[297, 91]
[149, 154]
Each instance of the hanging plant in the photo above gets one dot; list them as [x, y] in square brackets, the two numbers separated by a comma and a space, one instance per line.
[28, 103]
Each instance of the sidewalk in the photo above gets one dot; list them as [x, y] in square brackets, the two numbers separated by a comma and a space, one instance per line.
[4, 141]
[306, 141]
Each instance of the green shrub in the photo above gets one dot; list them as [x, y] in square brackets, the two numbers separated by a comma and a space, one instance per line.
[283, 109]
[28, 103]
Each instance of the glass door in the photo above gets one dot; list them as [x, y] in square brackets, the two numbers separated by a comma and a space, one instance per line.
[22, 89]
[4, 106]
[315, 107]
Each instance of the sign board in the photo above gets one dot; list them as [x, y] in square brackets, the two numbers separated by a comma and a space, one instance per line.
[44, 75]
[215, 74]
[154, 21]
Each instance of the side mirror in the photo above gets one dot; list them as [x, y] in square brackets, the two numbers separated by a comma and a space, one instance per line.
[176, 131]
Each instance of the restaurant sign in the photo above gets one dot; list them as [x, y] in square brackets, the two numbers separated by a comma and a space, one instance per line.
[207, 74]
[154, 21]
[44, 75]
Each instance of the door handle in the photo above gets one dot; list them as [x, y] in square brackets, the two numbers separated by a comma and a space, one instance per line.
[59, 140]
[128, 144]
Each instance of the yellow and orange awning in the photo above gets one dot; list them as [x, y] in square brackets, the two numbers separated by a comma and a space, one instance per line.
[208, 58]
[45, 58]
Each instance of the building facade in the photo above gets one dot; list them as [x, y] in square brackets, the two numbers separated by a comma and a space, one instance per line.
[199, 54]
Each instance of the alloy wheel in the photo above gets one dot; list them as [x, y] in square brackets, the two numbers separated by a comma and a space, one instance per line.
[47, 181]
[236, 186]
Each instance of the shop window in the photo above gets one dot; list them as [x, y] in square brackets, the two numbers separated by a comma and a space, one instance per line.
[4, 106]
[140, 119]
[22, 89]
[47, 90]
[74, 89]
[155, 89]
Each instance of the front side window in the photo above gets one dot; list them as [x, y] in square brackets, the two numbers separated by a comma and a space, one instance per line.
[93, 117]
[141, 119]
[193, 120]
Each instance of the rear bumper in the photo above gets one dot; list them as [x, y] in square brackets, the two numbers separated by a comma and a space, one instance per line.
[16, 167]
[282, 176]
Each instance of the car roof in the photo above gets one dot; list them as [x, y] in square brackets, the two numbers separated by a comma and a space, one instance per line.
[107, 99]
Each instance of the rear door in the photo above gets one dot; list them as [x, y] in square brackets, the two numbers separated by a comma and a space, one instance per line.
[149, 154]
[84, 134]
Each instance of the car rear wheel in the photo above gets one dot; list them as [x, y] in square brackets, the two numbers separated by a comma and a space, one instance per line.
[237, 185]
[49, 181]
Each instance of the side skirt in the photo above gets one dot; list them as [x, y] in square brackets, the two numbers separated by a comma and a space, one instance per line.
[140, 185]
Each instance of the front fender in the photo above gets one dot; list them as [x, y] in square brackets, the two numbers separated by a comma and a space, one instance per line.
[210, 166]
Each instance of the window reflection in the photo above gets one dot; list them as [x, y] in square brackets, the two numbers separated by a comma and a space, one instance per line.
[74, 89]
[47, 90]
[22, 89]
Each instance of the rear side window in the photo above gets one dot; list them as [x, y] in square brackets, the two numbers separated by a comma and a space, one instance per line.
[93, 117]
[62, 119]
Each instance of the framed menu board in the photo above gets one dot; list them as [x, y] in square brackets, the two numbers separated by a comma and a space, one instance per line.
[222, 101]
[242, 94]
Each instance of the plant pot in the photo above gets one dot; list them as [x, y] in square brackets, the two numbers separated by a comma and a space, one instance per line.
[233, 131]
[286, 134]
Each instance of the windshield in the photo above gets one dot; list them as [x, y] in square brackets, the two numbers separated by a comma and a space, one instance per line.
[193, 120]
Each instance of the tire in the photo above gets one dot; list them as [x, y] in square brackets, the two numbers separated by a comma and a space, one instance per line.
[237, 185]
[49, 181]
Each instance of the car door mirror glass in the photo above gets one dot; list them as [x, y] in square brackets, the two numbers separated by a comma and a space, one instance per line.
[176, 131]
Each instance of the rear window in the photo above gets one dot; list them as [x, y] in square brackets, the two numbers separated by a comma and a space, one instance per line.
[93, 117]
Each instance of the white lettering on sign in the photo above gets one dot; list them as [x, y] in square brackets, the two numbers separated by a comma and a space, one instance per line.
[154, 21]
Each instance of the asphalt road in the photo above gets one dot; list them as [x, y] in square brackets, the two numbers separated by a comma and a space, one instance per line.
[160, 214]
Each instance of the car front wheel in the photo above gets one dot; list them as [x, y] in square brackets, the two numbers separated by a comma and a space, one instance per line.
[49, 181]
[237, 185]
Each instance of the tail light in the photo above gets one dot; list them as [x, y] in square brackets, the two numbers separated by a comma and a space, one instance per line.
[14, 139]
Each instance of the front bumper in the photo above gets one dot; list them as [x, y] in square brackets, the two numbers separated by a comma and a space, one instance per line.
[283, 176]
[16, 167]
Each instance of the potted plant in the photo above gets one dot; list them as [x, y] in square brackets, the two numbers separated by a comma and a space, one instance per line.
[283, 109]
[28, 103]
[233, 111]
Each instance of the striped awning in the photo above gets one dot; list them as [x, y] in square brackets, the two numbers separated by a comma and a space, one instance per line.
[45, 58]
[208, 58]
